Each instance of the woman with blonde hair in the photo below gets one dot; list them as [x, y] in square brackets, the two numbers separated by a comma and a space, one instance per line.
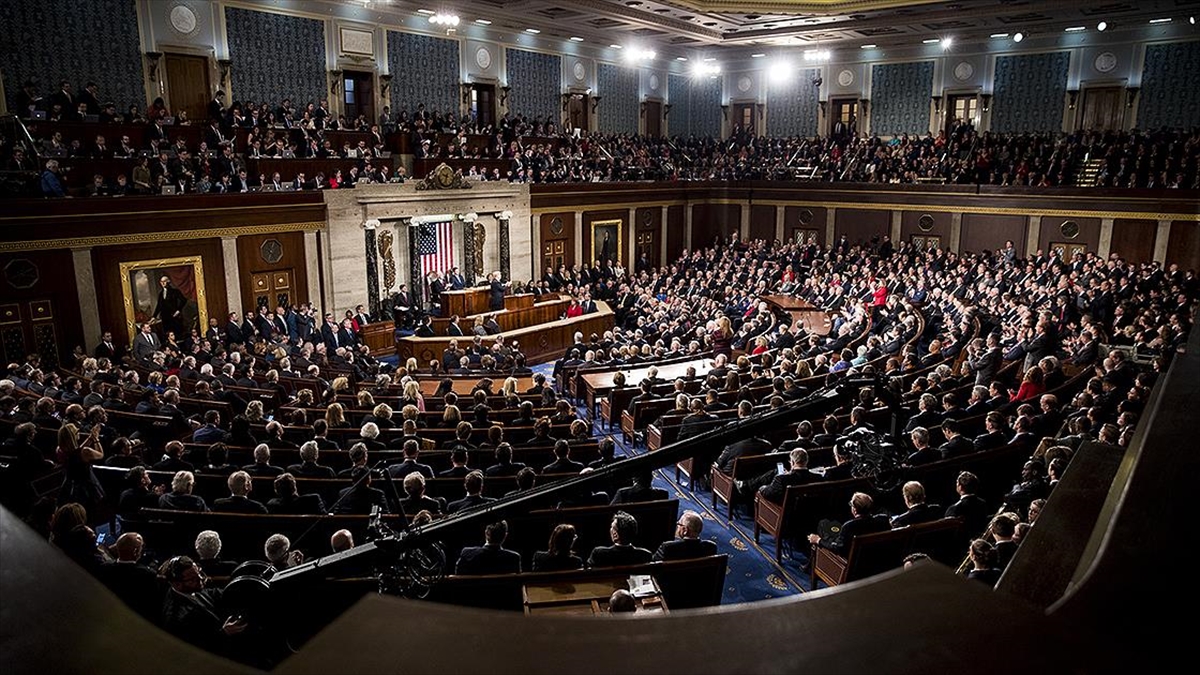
[412, 395]
[382, 416]
[304, 398]
[722, 337]
[80, 484]
[451, 416]
[335, 416]
[254, 411]
[365, 400]
[509, 388]
[411, 365]
[339, 386]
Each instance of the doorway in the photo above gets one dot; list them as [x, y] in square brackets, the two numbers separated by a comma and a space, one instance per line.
[1102, 108]
[654, 119]
[844, 119]
[269, 289]
[964, 109]
[358, 95]
[188, 86]
[483, 104]
[577, 111]
[743, 117]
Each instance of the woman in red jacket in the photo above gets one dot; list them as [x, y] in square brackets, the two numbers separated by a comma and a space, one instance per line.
[1032, 386]
[574, 309]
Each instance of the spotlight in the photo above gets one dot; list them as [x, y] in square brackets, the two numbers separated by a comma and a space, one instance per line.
[947, 43]
[1018, 37]
[780, 71]
[1102, 26]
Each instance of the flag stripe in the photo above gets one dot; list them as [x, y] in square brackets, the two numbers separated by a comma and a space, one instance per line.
[435, 244]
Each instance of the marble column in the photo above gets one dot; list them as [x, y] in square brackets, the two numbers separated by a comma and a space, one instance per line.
[312, 268]
[1160, 241]
[780, 210]
[505, 251]
[578, 237]
[1104, 248]
[744, 223]
[631, 231]
[1031, 235]
[372, 261]
[85, 288]
[894, 233]
[956, 231]
[662, 235]
[687, 226]
[830, 217]
[233, 277]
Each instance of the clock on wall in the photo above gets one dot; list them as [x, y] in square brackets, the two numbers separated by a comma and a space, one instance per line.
[579, 70]
[483, 58]
[963, 71]
[184, 19]
[271, 251]
[653, 82]
[744, 83]
[1106, 62]
[846, 78]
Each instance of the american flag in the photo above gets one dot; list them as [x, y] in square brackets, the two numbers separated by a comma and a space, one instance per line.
[435, 246]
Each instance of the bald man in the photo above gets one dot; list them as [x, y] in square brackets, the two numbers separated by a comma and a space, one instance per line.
[687, 543]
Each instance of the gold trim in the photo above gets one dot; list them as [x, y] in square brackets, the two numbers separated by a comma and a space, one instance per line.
[619, 251]
[197, 264]
[75, 216]
[147, 237]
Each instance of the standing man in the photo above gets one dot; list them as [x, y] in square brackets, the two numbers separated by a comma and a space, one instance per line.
[496, 294]
[145, 343]
[170, 306]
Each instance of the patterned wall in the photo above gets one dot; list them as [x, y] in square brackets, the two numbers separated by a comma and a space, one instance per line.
[425, 70]
[792, 106]
[52, 40]
[1029, 92]
[536, 81]
[695, 105]
[900, 98]
[1169, 95]
[275, 56]
[679, 90]
[617, 87]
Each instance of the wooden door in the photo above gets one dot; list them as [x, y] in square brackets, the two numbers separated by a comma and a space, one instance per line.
[844, 118]
[271, 288]
[577, 111]
[743, 116]
[187, 85]
[653, 118]
[358, 95]
[1102, 108]
[27, 328]
[483, 104]
[961, 108]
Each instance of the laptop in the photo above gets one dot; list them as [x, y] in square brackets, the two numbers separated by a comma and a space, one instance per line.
[39, 115]
[168, 189]
[167, 121]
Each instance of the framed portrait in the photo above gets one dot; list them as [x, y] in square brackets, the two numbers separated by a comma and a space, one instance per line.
[168, 293]
[606, 241]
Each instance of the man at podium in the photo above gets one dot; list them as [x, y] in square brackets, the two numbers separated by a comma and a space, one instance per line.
[496, 294]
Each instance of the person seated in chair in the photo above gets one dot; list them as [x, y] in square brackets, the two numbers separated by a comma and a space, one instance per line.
[416, 500]
[412, 450]
[923, 454]
[641, 491]
[308, 466]
[688, 543]
[918, 510]
[562, 460]
[773, 485]
[492, 557]
[360, 497]
[861, 522]
[473, 484]
[238, 500]
[956, 444]
[180, 498]
[622, 531]
[558, 555]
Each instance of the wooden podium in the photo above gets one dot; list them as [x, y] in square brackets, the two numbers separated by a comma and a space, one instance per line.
[466, 302]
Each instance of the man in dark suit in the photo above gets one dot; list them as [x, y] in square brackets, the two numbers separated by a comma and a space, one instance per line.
[410, 464]
[956, 444]
[453, 329]
[642, 490]
[688, 544]
[233, 331]
[262, 466]
[169, 309]
[861, 522]
[457, 280]
[562, 460]
[924, 453]
[774, 486]
[145, 343]
[996, 435]
[747, 447]
[984, 360]
[622, 531]
[918, 510]
[238, 501]
[107, 348]
[928, 415]
[360, 497]
[473, 484]
[492, 557]
[131, 581]
[970, 507]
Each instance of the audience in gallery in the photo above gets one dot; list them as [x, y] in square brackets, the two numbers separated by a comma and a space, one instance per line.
[538, 151]
[1036, 310]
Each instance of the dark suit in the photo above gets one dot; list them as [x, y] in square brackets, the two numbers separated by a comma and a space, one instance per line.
[399, 471]
[137, 585]
[923, 456]
[634, 494]
[360, 499]
[775, 490]
[681, 549]
[615, 556]
[301, 504]
[488, 559]
[989, 441]
[470, 501]
[855, 527]
[961, 445]
[974, 513]
[747, 447]
[235, 504]
[920, 513]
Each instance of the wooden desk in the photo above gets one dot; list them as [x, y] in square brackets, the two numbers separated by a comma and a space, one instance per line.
[597, 385]
[813, 319]
[466, 302]
[586, 598]
[380, 336]
[513, 317]
[539, 343]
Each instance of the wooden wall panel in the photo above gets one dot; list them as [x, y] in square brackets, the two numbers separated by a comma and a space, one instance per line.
[1051, 231]
[648, 224]
[714, 221]
[1183, 245]
[250, 261]
[860, 226]
[676, 232]
[805, 218]
[28, 281]
[909, 226]
[762, 222]
[1133, 239]
[988, 232]
[566, 235]
[589, 256]
[106, 261]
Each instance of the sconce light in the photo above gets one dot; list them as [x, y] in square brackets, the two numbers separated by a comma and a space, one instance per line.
[335, 81]
[986, 101]
[666, 110]
[566, 99]
[504, 91]
[821, 105]
[385, 83]
[1131, 95]
[760, 108]
[224, 65]
[152, 59]
[1072, 96]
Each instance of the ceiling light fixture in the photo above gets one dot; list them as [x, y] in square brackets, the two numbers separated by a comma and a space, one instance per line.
[1074, 29]
[947, 42]
[867, 47]
[576, 38]
[1165, 20]
[757, 56]
[427, 12]
[1018, 37]
[681, 58]
[483, 22]
[999, 35]
[930, 41]
[780, 71]
[1102, 26]
[706, 70]
[636, 54]
[616, 46]
[445, 20]
[816, 55]
[532, 31]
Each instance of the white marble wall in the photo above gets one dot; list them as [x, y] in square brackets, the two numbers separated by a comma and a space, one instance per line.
[344, 253]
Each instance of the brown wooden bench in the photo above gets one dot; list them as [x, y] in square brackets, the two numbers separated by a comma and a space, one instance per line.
[802, 508]
[871, 554]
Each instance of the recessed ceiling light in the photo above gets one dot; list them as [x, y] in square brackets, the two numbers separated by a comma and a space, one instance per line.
[1101, 26]
[1192, 20]
[616, 46]
[867, 47]
[710, 58]
[576, 38]
[1018, 37]
[681, 58]
[1074, 29]
[930, 41]
[757, 56]
[483, 22]
[999, 35]
[947, 42]
[1166, 20]
[534, 31]
[426, 11]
